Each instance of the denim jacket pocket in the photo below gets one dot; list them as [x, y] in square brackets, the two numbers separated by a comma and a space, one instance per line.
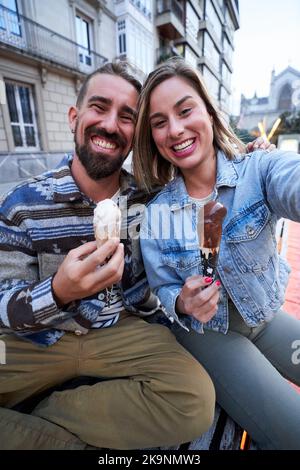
[182, 260]
[249, 237]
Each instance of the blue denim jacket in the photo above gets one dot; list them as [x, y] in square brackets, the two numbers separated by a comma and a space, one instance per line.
[256, 189]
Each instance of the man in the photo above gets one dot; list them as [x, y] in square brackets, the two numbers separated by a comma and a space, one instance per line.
[74, 302]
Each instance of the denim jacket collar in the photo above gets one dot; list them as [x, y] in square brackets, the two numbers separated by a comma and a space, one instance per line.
[226, 172]
[179, 195]
[226, 176]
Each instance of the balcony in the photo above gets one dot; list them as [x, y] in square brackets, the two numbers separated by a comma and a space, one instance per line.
[170, 19]
[24, 36]
[165, 53]
[225, 56]
[205, 61]
[233, 8]
[142, 8]
[207, 26]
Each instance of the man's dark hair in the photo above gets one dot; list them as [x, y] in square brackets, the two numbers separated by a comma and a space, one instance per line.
[120, 68]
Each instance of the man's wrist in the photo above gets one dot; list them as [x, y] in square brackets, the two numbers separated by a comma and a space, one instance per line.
[60, 302]
[179, 306]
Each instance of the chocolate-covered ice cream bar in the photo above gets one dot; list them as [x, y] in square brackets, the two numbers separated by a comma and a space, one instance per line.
[209, 229]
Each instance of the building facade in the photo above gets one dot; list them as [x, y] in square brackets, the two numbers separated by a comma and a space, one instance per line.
[284, 96]
[202, 31]
[46, 49]
[135, 33]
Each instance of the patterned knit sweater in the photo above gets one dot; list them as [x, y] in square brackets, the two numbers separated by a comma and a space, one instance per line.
[41, 220]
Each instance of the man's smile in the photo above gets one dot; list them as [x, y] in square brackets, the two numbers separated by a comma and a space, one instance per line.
[103, 143]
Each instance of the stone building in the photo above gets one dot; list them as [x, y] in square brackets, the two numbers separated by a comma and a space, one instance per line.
[47, 47]
[284, 95]
[203, 32]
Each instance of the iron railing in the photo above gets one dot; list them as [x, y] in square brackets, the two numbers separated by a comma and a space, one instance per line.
[40, 42]
[165, 53]
[163, 6]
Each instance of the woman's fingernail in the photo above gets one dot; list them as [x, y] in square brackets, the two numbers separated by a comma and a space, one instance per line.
[208, 280]
[218, 283]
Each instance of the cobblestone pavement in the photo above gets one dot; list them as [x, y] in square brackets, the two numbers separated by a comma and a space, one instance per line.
[292, 302]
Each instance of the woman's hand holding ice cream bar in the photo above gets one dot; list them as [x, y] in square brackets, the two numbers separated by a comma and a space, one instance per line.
[200, 295]
[209, 229]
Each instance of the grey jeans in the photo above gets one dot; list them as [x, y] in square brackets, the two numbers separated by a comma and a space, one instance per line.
[249, 368]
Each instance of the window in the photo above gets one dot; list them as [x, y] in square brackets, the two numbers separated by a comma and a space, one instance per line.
[212, 83]
[224, 98]
[230, 28]
[212, 16]
[83, 37]
[122, 37]
[221, 2]
[10, 24]
[140, 46]
[22, 116]
[211, 52]
[9, 19]
[190, 57]
[192, 22]
[227, 49]
[160, 6]
[226, 75]
[285, 98]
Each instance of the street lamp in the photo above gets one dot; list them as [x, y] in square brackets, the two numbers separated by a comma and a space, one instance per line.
[262, 129]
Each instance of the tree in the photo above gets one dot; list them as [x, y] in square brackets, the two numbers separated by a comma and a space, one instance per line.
[242, 134]
[290, 123]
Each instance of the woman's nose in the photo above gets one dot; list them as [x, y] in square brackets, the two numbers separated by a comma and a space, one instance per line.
[175, 128]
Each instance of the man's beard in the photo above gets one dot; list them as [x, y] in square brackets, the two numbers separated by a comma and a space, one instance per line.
[96, 164]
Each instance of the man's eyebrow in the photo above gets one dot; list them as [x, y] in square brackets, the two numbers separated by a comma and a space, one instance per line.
[176, 105]
[102, 99]
[129, 110]
[108, 101]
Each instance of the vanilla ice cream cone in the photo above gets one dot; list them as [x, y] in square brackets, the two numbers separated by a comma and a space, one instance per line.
[107, 221]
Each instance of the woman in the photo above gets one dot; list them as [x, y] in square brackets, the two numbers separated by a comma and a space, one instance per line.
[233, 325]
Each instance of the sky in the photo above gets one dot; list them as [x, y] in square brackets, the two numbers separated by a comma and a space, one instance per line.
[269, 37]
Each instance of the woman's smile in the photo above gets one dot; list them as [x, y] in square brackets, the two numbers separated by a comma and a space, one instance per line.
[185, 148]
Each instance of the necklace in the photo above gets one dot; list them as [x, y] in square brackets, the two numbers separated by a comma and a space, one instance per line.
[115, 197]
[109, 293]
[106, 296]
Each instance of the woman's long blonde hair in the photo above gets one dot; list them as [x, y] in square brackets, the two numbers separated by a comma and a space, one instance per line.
[149, 167]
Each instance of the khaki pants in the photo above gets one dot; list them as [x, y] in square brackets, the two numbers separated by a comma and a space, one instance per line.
[154, 392]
